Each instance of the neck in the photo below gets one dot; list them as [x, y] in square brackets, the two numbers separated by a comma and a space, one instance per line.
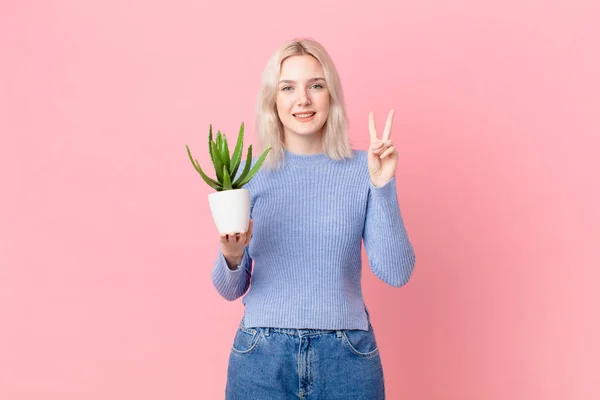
[303, 145]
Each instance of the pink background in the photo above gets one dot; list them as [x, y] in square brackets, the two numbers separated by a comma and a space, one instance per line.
[106, 239]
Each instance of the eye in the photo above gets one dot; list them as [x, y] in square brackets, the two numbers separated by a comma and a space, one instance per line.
[283, 89]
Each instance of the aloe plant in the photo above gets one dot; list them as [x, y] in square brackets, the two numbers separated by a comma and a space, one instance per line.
[226, 167]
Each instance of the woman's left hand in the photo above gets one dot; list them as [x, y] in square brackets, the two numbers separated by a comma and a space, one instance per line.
[382, 157]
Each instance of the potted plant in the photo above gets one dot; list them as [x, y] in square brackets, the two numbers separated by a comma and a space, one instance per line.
[230, 204]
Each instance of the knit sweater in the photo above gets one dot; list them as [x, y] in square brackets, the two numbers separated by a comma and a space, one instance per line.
[303, 263]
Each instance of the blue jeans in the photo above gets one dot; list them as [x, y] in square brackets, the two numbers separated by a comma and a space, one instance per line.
[311, 364]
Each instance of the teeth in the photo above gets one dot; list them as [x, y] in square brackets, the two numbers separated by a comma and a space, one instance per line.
[304, 115]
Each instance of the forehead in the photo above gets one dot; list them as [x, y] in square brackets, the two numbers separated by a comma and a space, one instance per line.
[300, 68]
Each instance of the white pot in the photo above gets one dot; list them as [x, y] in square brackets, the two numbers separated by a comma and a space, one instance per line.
[230, 210]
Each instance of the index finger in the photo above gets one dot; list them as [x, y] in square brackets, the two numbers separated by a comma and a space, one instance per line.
[388, 125]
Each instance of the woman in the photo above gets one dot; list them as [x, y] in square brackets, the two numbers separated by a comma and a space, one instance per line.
[306, 332]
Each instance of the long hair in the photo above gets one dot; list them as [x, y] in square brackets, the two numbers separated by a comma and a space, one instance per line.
[269, 129]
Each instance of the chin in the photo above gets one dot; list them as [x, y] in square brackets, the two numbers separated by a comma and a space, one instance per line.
[309, 127]
[307, 132]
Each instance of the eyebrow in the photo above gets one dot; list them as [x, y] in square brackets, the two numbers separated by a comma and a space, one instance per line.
[310, 80]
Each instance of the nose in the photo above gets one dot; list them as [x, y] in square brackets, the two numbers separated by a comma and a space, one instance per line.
[303, 98]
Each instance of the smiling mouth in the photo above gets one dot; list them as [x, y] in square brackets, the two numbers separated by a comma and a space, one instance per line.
[304, 116]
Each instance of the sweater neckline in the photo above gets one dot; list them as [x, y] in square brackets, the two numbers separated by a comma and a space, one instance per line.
[304, 159]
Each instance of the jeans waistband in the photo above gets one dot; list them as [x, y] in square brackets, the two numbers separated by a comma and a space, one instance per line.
[301, 332]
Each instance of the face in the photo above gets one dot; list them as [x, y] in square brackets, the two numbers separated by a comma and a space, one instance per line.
[302, 89]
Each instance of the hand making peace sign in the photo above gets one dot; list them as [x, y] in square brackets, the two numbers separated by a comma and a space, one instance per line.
[382, 157]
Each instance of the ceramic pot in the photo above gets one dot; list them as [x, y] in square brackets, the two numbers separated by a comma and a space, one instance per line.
[230, 210]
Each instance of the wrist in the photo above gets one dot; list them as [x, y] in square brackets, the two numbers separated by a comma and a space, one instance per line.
[233, 260]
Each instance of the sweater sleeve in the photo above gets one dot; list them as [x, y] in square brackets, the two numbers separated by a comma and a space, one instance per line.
[389, 250]
[232, 284]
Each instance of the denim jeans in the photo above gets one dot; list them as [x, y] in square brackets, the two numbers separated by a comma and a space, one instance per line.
[311, 364]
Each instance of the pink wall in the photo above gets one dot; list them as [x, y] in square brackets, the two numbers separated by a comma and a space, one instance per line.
[106, 241]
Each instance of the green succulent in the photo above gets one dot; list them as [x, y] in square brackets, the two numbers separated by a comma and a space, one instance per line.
[225, 167]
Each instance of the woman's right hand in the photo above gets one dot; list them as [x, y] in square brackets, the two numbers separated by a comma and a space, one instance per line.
[233, 244]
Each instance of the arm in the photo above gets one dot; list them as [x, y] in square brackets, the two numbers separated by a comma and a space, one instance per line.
[232, 283]
[231, 276]
[390, 252]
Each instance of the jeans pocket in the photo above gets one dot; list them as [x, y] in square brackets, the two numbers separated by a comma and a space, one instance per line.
[361, 343]
[245, 340]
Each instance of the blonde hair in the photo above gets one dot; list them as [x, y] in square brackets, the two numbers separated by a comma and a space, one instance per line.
[269, 129]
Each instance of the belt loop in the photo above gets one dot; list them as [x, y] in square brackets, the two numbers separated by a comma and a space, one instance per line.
[267, 331]
[339, 333]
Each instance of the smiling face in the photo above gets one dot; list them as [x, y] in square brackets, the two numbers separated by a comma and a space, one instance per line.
[302, 89]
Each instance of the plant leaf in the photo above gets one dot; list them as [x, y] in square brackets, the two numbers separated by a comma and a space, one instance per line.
[240, 178]
[219, 142]
[214, 155]
[237, 152]
[225, 153]
[210, 140]
[255, 168]
[211, 182]
[217, 162]
[226, 179]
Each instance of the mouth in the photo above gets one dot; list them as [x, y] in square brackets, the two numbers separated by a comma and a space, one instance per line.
[304, 117]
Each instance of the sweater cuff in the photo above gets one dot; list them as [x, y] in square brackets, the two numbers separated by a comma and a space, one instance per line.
[387, 190]
[238, 267]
